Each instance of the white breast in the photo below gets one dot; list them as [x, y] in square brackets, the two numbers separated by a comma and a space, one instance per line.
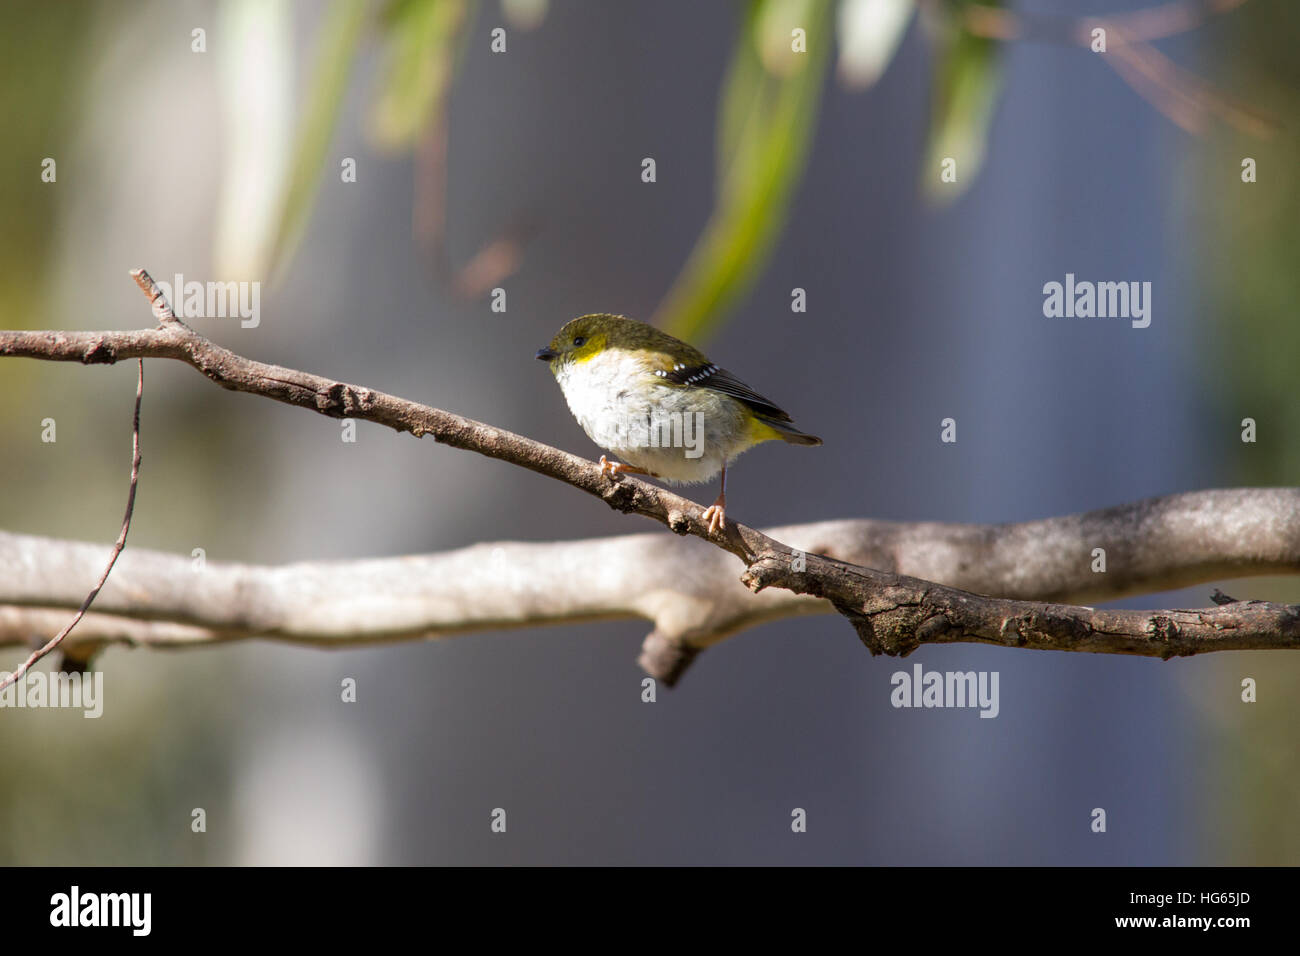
[677, 434]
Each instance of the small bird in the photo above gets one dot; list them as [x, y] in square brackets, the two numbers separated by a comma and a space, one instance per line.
[660, 404]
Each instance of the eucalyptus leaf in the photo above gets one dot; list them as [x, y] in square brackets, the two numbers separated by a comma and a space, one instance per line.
[336, 49]
[765, 127]
[870, 32]
[967, 79]
[420, 37]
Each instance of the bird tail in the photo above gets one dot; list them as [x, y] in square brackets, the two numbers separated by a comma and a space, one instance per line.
[788, 433]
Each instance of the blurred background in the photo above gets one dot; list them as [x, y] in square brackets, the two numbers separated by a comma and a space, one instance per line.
[774, 170]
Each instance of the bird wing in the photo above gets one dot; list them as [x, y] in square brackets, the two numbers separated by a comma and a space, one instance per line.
[708, 375]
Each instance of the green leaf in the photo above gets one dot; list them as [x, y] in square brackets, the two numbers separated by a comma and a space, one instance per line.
[336, 49]
[744, 89]
[967, 80]
[766, 119]
[421, 39]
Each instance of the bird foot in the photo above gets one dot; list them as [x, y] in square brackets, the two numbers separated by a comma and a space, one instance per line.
[612, 469]
[716, 514]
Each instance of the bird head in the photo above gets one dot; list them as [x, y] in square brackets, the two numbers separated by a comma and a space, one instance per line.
[587, 336]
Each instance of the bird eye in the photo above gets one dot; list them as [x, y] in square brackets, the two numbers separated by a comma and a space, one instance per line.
[579, 341]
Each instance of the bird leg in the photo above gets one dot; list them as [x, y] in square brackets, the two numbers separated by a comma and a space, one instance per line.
[716, 513]
[612, 469]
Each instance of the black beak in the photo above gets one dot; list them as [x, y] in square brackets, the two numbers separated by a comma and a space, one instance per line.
[547, 354]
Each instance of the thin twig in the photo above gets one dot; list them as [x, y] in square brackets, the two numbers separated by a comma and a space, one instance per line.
[1152, 23]
[1182, 97]
[118, 545]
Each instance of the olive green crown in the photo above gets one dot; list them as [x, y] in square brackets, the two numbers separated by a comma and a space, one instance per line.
[600, 331]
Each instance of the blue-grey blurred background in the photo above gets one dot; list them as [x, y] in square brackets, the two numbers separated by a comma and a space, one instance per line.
[924, 302]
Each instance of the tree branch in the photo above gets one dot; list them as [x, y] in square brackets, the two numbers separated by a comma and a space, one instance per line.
[893, 613]
[688, 589]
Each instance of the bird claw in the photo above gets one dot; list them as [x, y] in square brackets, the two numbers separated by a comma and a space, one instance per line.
[610, 469]
[613, 470]
[716, 515]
